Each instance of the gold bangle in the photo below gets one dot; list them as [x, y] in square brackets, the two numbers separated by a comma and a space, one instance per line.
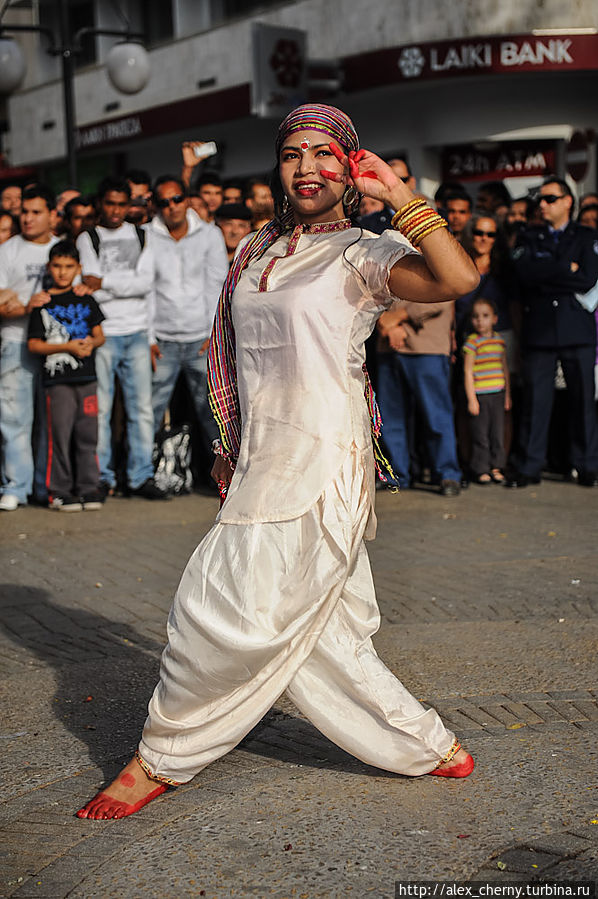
[404, 210]
[431, 228]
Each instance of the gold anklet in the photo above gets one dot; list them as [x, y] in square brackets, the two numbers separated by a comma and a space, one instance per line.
[155, 777]
[452, 752]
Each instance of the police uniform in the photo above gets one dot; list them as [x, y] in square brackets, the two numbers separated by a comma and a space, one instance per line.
[557, 327]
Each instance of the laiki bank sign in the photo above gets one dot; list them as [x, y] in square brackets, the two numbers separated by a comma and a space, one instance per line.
[478, 56]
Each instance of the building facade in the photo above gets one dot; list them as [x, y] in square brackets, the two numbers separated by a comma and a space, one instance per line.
[470, 91]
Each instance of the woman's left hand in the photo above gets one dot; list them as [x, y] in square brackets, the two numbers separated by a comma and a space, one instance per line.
[370, 175]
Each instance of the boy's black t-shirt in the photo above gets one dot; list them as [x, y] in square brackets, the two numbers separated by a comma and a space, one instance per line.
[66, 317]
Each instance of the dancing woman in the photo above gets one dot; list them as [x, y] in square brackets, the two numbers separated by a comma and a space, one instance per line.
[279, 595]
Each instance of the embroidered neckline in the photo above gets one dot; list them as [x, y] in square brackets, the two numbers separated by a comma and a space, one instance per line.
[297, 231]
[325, 227]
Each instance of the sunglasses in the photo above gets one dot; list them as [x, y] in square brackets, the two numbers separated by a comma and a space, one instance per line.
[550, 198]
[164, 202]
[479, 233]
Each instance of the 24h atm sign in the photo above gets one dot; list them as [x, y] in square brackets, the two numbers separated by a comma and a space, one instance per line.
[481, 56]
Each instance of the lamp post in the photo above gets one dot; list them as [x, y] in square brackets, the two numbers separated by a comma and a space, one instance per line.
[127, 65]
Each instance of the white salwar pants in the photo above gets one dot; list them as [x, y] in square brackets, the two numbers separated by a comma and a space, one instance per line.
[268, 607]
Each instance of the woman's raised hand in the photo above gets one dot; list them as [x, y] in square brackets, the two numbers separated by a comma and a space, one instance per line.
[370, 175]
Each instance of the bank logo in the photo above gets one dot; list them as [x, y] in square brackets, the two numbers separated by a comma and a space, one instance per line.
[411, 62]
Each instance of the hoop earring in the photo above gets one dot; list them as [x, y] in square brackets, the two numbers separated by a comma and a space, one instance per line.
[351, 199]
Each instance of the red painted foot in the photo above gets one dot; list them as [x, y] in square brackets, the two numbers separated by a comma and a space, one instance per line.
[104, 807]
[462, 770]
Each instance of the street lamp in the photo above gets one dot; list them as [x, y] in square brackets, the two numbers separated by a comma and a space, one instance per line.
[12, 65]
[127, 65]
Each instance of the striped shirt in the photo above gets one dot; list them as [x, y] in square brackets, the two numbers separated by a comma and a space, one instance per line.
[488, 353]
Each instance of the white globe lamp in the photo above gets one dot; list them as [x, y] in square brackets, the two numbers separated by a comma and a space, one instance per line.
[12, 65]
[128, 67]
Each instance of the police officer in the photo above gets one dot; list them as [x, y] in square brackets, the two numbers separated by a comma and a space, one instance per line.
[554, 261]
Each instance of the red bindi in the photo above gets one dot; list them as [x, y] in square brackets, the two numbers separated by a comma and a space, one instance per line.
[127, 780]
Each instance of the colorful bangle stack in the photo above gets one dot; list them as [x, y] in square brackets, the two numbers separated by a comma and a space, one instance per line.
[417, 220]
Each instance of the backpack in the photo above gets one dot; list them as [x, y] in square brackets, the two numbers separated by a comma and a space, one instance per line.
[95, 238]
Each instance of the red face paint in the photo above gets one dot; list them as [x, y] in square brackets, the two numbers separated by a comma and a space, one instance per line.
[127, 780]
[368, 174]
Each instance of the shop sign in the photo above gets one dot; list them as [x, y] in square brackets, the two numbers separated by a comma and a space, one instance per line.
[494, 162]
[189, 114]
[120, 129]
[478, 56]
[279, 70]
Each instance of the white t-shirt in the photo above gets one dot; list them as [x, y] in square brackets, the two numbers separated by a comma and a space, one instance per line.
[23, 265]
[127, 274]
[300, 351]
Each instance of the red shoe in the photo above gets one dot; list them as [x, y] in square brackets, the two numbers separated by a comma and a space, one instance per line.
[462, 770]
[103, 807]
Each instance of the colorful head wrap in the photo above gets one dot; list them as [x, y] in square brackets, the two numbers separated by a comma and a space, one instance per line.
[222, 362]
[317, 117]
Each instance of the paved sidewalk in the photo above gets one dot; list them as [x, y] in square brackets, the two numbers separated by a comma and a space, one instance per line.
[489, 609]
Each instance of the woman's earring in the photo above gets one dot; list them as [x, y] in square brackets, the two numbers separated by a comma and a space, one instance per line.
[285, 204]
[351, 199]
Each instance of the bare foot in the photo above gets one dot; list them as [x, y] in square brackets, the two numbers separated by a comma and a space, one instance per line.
[131, 790]
[461, 765]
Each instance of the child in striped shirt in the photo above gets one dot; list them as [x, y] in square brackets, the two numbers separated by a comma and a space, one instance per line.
[488, 393]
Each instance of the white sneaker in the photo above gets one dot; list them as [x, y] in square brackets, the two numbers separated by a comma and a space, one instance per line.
[8, 502]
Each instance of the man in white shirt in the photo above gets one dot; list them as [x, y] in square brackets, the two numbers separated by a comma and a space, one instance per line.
[117, 265]
[23, 261]
[190, 265]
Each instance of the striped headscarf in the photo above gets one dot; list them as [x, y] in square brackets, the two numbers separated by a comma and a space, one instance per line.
[316, 117]
[222, 363]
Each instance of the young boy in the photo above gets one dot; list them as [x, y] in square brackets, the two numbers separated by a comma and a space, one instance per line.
[488, 393]
[67, 330]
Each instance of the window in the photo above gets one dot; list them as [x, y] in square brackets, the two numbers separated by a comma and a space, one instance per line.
[153, 18]
[223, 10]
[80, 15]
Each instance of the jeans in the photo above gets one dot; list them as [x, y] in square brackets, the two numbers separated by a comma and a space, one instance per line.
[421, 380]
[176, 357]
[129, 358]
[19, 375]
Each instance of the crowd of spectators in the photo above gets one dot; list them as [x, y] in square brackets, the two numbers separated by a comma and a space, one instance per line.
[107, 300]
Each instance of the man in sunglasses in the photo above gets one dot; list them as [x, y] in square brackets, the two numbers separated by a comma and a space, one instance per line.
[555, 261]
[116, 265]
[190, 265]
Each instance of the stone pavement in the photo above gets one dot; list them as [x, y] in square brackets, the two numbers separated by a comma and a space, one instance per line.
[489, 612]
